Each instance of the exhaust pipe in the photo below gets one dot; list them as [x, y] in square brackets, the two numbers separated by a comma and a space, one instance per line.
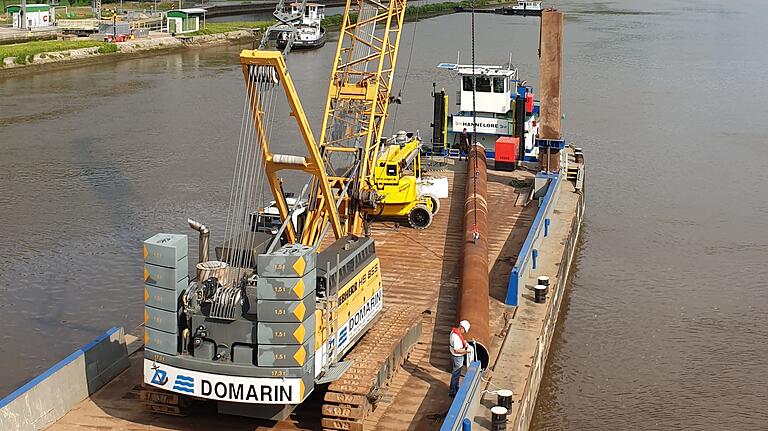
[204, 234]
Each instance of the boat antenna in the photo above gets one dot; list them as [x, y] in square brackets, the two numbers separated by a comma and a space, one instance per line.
[510, 61]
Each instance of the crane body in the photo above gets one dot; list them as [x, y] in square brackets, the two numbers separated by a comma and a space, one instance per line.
[270, 319]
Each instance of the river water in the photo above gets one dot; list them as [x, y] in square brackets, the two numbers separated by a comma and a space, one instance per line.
[665, 325]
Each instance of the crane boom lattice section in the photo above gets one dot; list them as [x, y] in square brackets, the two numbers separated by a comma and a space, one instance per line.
[358, 97]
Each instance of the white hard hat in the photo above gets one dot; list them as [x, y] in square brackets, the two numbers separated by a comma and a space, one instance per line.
[464, 324]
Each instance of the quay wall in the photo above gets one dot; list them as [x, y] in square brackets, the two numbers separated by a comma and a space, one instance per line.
[47, 397]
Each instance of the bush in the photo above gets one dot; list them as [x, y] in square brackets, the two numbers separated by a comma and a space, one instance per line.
[107, 48]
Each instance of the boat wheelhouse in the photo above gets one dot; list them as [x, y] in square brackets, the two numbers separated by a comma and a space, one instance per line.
[503, 107]
[309, 33]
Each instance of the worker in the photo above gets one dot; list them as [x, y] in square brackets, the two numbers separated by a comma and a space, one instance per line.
[459, 349]
[464, 144]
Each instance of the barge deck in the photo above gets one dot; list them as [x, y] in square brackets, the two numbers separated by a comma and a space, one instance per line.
[420, 268]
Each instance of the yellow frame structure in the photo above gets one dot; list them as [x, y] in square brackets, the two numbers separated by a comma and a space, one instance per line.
[358, 95]
[274, 163]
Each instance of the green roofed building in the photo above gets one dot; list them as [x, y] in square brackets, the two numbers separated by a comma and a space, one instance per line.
[179, 21]
[38, 15]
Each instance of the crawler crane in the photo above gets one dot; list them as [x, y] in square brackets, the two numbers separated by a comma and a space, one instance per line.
[282, 313]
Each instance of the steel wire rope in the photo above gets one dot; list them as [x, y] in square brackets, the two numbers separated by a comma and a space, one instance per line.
[247, 173]
[235, 243]
[475, 232]
[248, 178]
[253, 95]
[252, 176]
[407, 67]
[239, 166]
[241, 140]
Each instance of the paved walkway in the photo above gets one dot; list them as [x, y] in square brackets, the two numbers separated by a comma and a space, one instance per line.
[513, 367]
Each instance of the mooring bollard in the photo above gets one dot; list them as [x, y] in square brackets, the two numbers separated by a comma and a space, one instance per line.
[542, 280]
[498, 418]
[466, 425]
[505, 398]
[539, 294]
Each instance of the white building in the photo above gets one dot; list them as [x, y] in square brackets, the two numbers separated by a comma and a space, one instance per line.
[38, 15]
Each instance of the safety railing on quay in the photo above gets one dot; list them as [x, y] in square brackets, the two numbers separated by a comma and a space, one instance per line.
[458, 415]
[526, 260]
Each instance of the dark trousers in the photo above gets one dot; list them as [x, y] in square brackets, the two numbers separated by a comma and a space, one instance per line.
[457, 362]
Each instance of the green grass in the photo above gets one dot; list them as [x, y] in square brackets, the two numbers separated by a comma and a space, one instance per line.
[25, 52]
[224, 27]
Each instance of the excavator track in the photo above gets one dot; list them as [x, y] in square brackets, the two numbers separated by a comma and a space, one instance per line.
[164, 402]
[376, 359]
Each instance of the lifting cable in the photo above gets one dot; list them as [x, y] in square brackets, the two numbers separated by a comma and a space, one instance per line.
[475, 231]
[407, 67]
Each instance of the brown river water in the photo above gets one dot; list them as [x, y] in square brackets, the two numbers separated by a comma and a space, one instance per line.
[665, 326]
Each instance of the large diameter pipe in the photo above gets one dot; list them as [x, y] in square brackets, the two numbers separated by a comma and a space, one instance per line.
[204, 237]
[473, 291]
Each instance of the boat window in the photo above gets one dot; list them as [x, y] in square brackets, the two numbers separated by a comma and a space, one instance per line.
[467, 83]
[498, 84]
[483, 84]
[391, 170]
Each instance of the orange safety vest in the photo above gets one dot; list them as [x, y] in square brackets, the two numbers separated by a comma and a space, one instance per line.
[457, 331]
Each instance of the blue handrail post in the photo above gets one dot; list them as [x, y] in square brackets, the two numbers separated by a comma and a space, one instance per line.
[534, 255]
[512, 287]
[466, 425]
[546, 227]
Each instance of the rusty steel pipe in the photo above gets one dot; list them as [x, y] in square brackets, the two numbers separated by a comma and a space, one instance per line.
[473, 290]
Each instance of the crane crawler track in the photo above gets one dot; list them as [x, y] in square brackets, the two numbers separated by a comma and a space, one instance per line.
[376, 359]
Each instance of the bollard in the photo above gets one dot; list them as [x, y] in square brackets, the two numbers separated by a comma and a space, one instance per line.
[539, 294]
[466, 425]
[544, 281]
[505, 398]
[498, 418]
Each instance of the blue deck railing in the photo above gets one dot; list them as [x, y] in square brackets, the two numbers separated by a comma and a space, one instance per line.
[458, 415]
[526, 260]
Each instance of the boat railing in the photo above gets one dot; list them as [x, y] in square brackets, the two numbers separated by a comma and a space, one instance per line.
[526, 263]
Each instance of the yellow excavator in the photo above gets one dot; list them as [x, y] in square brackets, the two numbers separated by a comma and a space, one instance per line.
[280, 313]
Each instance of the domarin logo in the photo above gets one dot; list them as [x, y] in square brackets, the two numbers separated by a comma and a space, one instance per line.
[160, 377]
[184, 384]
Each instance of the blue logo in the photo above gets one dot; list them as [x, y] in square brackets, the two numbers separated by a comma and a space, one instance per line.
[184, 384]
[160, 377]
[343, 336]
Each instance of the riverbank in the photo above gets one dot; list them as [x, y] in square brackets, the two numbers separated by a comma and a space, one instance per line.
[36, 60]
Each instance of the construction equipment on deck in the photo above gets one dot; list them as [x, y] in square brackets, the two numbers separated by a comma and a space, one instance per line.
[273, 317]
[397, 176]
